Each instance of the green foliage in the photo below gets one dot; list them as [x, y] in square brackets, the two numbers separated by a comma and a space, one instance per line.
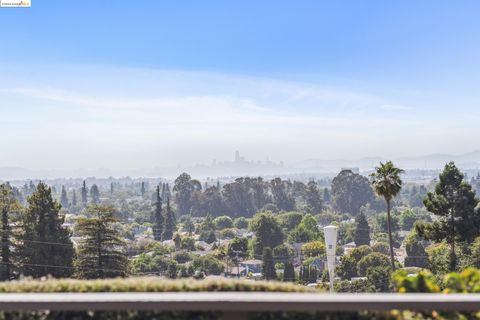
[182, 256]
[223, 222]
[228, 233]
[288, 271]
[350, 192]
[101, 250]
[313, 198]
[283, 252]
[208, 264]
[187, 243]
[362, 230]
[170, 223]
[387, 184]
[8, 205]
[237, 248]
[46, 247]
[381, 247]
[374, 259]
[158, 221]
[268, 268]
[290, 220]
[208, 236]
[306, 231]
[416, 254]
[314, 248]
[240, 223]
[454, 202]
[267, 232]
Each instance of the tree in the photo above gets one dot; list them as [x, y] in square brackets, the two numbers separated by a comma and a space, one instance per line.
[306, 231]
[240, 223]
[237, 248]
[374, 259]
[454, 202]
[313, 198]
[101, 250]
[84, 193]
[350, 192]
[223, 222]
[387, 184]
[158, 220]
[288, 271]
[46, 248]
[281, 197]
[290, 220]
[416, 254]
[95, 194]
[74, 198]
[268, 268]
[64, 198]
[142, 189]
[362, 231]
[267, 232]
[169, 227]
[313, 249]
[184, 188]
[8, 203]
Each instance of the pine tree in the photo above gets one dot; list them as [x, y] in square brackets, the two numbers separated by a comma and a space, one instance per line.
[46, 248]
[157, 219]
[112, 188]
[95, 194]
[362, 231]
[84, 193]
[313, 198]
[142, 189]
[102, 251]
[7, 204]
[74, 198]
[268, 268]
[64, 198]
[169, 227]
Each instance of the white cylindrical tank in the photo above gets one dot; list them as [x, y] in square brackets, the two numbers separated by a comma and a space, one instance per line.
[330, 233]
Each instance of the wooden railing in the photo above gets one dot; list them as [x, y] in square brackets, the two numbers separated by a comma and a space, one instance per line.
[236, 305]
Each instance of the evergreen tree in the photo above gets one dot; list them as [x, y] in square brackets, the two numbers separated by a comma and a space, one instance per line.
[74, 198]
[454, 202]
[362, 231]
[84, 193]
[313, 198]
[268, 268]
[95, 194]
[64, 198]
[112, 188]
[142, 189]
[46, 248]
[8, 203]
[158, 220]
[102, 251]
[169, 227]
[288, 271]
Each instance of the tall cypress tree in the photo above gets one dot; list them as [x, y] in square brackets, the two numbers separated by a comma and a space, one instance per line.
[268, 269]
[362, 231]
[142, 189]
[157, 219]
[169, 227]
[102, 251]
[84, 193]
[64, 198]
[46, 248]
[74, 198]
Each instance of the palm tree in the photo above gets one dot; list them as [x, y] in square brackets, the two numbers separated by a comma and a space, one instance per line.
[387, 184]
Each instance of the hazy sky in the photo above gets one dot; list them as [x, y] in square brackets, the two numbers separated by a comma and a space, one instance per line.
[122, 85]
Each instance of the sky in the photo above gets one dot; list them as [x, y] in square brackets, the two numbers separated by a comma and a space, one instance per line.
[139, 84]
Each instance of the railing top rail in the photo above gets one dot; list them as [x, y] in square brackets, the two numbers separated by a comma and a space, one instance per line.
[237, 301]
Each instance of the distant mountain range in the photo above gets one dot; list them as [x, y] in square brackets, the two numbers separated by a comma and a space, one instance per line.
[467, 161]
